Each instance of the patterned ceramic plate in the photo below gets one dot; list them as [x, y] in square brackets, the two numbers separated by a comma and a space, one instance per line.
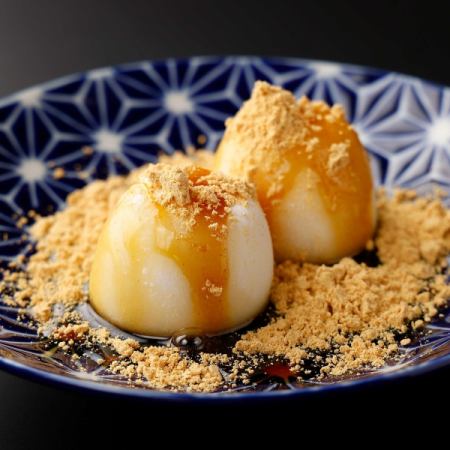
[128, 113]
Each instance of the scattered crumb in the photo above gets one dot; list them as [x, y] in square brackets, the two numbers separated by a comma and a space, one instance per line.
[166, 368]
[58, 173]
[338, 158]
[201, 139]
[22, 221]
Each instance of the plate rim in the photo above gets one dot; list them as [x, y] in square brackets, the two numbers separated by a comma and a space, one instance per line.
[99, 387]
[80, 384]
[8, 98]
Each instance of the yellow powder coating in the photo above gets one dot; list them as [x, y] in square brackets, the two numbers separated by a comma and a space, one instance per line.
[193, 191]
[273, 138]
[271, 119]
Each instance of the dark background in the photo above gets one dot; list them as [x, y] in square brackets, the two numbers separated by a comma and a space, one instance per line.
[43, 39]
[40, 40]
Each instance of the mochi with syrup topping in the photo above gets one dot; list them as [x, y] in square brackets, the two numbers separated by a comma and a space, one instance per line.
[183, 250]
[311, 173]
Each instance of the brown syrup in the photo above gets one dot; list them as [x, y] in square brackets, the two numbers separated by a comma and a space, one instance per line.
[281, 371]
[203, 257]
[200, 252]
[346, 196]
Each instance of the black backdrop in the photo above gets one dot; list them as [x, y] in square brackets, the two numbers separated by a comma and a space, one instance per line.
[40, 40]
[44, 39]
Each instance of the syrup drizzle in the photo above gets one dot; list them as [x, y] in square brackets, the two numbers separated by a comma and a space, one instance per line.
[203, 257]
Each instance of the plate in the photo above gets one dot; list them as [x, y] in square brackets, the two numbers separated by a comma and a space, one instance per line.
[128, 113]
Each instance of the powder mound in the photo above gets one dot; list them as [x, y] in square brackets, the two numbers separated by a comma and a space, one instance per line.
[352, 309]
[169, 185]
[272, 125]
[66, 241]
[271, 118]
[191, 187]
[419, 230]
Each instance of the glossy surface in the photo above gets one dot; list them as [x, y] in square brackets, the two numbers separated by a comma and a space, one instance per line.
[153, 276]
[319, 214]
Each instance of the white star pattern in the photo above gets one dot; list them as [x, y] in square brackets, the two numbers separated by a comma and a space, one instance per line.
[130, 113]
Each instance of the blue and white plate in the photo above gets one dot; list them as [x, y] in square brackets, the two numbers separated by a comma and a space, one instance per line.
[128, 113]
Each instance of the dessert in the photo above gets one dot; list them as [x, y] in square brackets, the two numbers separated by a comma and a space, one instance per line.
[178, 252]
[184, 249]
[311, 173]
